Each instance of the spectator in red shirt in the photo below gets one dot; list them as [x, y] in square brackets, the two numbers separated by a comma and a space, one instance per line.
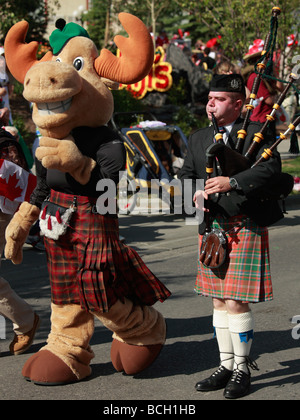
[264, 100]
[267, 91]
[162, 39]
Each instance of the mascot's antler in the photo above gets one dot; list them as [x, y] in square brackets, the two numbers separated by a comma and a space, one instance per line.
[136, 59]
[137, 53]
[19, 55]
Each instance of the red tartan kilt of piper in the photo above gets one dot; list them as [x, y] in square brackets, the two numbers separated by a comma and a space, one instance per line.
[90, 266]
[245, 276]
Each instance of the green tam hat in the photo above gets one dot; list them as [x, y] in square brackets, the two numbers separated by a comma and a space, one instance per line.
[63, 33]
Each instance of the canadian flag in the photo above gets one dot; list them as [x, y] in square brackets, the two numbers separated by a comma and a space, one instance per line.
[16, 186]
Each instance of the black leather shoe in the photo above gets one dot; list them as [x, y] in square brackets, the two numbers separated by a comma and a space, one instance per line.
[217, 380]
[238, 386]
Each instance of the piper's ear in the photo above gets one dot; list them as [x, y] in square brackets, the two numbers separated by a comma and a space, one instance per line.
[110, 83]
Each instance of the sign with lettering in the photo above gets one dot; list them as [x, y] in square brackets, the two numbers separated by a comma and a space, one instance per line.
[159, 78]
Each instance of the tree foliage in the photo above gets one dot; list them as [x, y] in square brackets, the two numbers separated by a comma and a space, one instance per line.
[239, 22]
[102, 17]
[96, 19]
[34, 11]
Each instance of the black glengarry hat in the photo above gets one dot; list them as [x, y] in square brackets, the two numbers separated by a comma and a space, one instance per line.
[227, 83]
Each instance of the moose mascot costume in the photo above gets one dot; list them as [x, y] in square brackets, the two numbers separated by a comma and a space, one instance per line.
[92, 274]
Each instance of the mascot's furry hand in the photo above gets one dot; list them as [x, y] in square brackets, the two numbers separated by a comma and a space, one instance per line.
[18, 230]
[65, 156]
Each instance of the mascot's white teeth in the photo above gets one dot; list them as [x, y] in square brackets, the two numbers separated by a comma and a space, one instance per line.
[52, 108]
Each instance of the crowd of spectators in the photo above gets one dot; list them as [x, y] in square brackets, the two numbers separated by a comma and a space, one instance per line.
[209, 56]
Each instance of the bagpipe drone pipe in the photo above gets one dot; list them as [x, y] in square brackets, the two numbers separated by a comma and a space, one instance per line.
[231, 161]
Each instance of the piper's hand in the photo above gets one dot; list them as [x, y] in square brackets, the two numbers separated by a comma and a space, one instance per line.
[199, 198]
[218, 184]
[65, 156]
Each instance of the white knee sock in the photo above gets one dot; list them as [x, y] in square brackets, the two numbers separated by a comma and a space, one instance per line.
[241, 330]
[220, 323]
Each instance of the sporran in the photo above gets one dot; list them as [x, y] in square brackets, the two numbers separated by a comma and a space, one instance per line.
[54, 219]
[213, 249]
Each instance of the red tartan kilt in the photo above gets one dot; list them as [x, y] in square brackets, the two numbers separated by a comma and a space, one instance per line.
[245, 276]
[90, 266]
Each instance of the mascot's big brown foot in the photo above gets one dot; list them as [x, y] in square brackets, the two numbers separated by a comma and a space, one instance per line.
[139, 335]
[67, 355]
[44, 368]
[133, 359]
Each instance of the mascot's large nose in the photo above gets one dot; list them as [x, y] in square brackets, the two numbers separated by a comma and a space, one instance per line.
[51, 81]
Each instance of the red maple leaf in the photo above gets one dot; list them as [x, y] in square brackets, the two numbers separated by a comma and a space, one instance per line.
[8, 188]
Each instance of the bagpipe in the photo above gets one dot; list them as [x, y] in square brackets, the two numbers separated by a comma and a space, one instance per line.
[213, 249]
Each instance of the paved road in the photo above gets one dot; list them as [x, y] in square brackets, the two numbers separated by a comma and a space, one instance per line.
[168, 246]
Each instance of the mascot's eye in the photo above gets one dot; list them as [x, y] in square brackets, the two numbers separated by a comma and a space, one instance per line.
[58, 59]
[78, 63]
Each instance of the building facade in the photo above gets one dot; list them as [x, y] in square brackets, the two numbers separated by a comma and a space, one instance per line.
[70, 11]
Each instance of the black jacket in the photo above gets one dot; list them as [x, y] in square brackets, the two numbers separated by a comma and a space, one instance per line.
[252, 198]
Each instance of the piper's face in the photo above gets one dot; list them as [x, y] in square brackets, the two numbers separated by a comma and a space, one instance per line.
[224, 106]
